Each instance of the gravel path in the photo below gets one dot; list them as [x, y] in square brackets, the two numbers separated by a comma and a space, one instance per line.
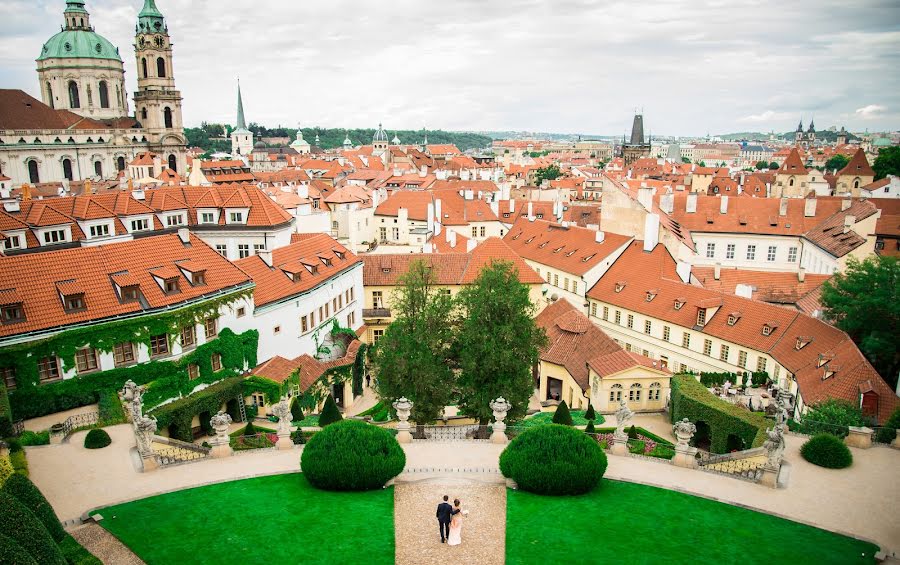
[418, 539]
[104, 545]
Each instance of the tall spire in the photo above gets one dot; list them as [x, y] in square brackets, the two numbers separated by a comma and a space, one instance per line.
[637, 130]
[150, 19]
[241, 123]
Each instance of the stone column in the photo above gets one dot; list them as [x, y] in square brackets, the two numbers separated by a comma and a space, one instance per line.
[283, 411]
[403, 407]
[500, 407]
[221, 443]
[685, 455]
[859, 437]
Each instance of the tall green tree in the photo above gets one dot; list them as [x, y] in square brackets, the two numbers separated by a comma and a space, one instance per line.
[760, 165]
[413, 357]
[773, 166]
[864, 301]
[550, 172]
[836, 162]
[498, 342]
[887, 162]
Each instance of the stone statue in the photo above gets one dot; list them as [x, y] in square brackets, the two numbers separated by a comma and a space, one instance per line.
[781, 411]
[500, 407]
[774, 446]
[623, 416]
[133, 394]
[144, 429]
[403, 406]
[283, 411]
[684, 431]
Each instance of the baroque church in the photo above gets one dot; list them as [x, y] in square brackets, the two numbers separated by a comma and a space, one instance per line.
[81, 128]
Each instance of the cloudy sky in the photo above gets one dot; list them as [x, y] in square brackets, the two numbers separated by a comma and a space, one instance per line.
[555, 65]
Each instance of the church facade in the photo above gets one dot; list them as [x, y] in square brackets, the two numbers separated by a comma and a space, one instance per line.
[81, 128]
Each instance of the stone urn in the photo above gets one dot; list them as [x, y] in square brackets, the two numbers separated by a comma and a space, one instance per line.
[500, 408]
[57, 433]
[685, 455]
[221, 444]
[403, 406]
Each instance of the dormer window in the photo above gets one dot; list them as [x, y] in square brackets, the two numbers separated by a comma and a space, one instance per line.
[651, 294]
[679, 303]
[530, 239]
[74, 302]
[620, 286]
[543, 245]
[570, 253]
[558, 249]
[517, 236]
[802, 341]
[198, 278]
[733, 318]
[207, 218]
[386, 270]
[131, 293]
[326, 261]
[171, 286]
[701, 316]
[588, 258]
[339, 254]
[823, 359]
[99, 230]
[830, 370]
[767, 329]
[174, 220]
[13, 313]
[236, 217]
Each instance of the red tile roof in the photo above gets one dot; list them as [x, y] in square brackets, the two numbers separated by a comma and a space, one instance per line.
[768, 286]
[858, 166]
[279, 369]
[793, 165]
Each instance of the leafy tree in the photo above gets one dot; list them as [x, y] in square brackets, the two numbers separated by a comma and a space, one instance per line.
[887, 162]
[412, 357]
[330, 413]
[760, 165]
[550, 172]
[590, 414]
[685, 160]
[837, 162]
[562, 415]
[702, 163]
[498, 342]
[864, 302]
[774, 166]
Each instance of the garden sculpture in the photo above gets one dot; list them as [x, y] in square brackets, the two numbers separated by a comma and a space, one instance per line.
[623, 416]
[144, 429]
[774, 446]
[403, 406]
[220, 423]
[684, 431]
[500, 407]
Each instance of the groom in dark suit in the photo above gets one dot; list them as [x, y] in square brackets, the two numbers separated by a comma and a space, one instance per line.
[444, 515]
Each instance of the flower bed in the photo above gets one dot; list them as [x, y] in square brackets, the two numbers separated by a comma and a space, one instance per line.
[646, 443]
[258, 441]
[547, 418]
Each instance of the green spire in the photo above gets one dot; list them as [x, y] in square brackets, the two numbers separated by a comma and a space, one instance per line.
[241, 123]
[75, 6]
[150, 19]
[149, 9]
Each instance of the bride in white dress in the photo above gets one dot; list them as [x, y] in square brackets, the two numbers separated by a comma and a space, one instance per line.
[456, 525]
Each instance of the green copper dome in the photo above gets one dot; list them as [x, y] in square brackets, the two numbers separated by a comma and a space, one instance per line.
[79, 43]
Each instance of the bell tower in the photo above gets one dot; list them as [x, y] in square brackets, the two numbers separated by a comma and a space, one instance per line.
[157, 101]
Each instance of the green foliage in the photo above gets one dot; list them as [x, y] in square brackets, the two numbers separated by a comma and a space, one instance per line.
[254, 430]
[864, 301]
[13, 553]
[23, 490]
[359, 369]
[710, 379]
[6, 427]
[632, 433]
[836, 162]
[497, 342]
[826, 450]
[110, 408]
[271, 390]
[541, 418]
[589, 429]
[562, 416]
[888, 433]
[887, 162]
[296, 410]
[20, 525]
[554, 460]
[550, 172]
[330, 138]
[662, 452]
[693, 401]
[75, 554]
[165, 379]
[177, 415]
[249, 430]
[636, 446]
[774, 166]
[6, 470]
[590, 414]
[413, 357]
[96, 439]
[831, 416]
[19, 462]
[330, 413]
[760, 165]
[352, 455]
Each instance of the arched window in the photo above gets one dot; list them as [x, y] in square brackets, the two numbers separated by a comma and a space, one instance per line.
[98, 168]
[160, 67]
[167, 117]
[615, 394]
[74, 100]
[81, 22]
[144, 67]
[143, 113]
[104, 94]
[173, 163]
[120, 163]
[67, 169]
[50, 95]
[654, 391]
[33, 175]
[634, 393]
[791, 182]
[855, 183]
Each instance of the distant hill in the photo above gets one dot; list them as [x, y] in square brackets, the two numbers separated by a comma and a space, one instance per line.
[742, 135]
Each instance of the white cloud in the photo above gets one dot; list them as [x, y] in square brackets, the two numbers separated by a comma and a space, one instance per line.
[871, 111]
[765, 117]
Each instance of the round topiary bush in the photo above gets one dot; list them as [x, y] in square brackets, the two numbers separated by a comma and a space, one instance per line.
[96, 438]
[13, 554]
[22, 489]
[352, 455]
[554, 459]
[562, 415]
[826, 450]
[23, 528]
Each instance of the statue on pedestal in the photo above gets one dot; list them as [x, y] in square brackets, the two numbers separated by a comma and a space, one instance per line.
[403, 406]
[500, 407]
[623, 416]
[283, 411]
[684, 431]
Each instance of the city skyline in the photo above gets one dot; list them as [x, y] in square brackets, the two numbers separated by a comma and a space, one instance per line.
[487, 68]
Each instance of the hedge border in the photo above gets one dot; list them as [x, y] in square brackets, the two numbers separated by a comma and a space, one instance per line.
[177, 415]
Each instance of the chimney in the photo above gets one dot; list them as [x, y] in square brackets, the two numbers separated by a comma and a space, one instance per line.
[185, 235]
[717, 271]
[845, 204]
[645, 197]
[801, 274]
[429, 216]
[599, 236]
[849, 220]
[809, 208]
[470, 245]
[723, 205]
[651, 231]
[667, 203]
[512, 205]
[782, 207]
[469, 195]
[452, 236]
[423, 172]
[303, 190]
[744, 291]
[266, 256]
[26, 191]
[88, 187]
[530, 211]
[690, 205]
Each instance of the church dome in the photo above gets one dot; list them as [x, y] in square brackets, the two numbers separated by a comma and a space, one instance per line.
[79, 44]
[380, 135]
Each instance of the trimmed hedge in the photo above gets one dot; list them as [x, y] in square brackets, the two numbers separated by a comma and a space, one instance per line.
[6, 470]
[23, 490]
[562, 415]
[20, 525]
[555, 460]
[177, 415]
[29, 437]
[351, 455]
[111, 410]
[96, 439]
[691, 400]
[296, 410]
[826, 450]
[75, 554]
[888, 433]
[6, 422]
[13, 553]
[330, 413]
[590, 414]
[589, 428]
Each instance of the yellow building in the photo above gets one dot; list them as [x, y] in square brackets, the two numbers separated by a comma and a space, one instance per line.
[855, 175]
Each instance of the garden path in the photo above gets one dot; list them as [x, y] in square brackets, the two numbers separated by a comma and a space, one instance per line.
[104, 546]
[416, 529]
[44, 422]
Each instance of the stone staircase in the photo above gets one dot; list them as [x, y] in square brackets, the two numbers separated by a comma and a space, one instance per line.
[746, 464]
[172, 451]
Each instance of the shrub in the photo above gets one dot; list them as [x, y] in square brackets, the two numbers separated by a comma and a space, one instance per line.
[177, 415]
[110, 408]
[888, 433]
[637, 446]
[590, 414]
[554, 460]
[632, 433]
[562, 415]
[19, 462]
[249, 430]
[330, 413]
[13, 553]
[96, 439]
[22, 527]
[29, 437]
[831, 416]
[352, 455]
[75, 554]
[662, 451]
[826, 450]
[589, 429]
[23, 490]
[6, 470]
[296, 410]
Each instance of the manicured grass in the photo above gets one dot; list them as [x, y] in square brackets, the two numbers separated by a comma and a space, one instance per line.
[273, 520]
[629, 523]
[547, 418]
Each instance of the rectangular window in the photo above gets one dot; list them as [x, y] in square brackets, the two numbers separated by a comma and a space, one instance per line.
[86, 360]
[54, 236]
[215, 362]
[352, 298]
[13, 313]
[276, 330]
[566, 284]
[257, 247]
[382, 232]
[100, 230]
[770, 255]
[327, 312]
[707, 347]
[123, 353]
[556, 280]
[130, 293]
[12, 242]
[395, 233]
[321, 314]
[193, 371]
[8, 377]
[792, 254]
[243, 250]
[666, 333]
[575, 287]
[761, 364]
[474, 231]
[630, 321]
[159, 344]
[207, 218]
[775, 372]
[606, 312]
[751, 252]
[304, 327]
[376, 335]
[742, 359]
[172, 286]
[222, 249]
[210, 327]
[48, 369]
[74, 303]
[594, 309]
[376, 299]
[710, 250]
[236, 217]
[240, 312]
[188, 336]
[723, 353]
[618, 317]
[175, 220]
[729, 251]
[483, 231]
[647, 327]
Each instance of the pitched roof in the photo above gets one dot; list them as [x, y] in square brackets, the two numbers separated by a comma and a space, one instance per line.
[279, 369]
[768, 286]
[21, 111]
[858, 166]
[793, 165]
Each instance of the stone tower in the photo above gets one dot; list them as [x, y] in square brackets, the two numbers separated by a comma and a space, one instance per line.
[157, 101]
[241, 137]
[636, 147]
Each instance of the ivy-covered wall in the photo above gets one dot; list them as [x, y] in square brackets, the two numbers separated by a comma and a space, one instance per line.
[164, 379]
[272, 390]
[6, 427]
[177, 415]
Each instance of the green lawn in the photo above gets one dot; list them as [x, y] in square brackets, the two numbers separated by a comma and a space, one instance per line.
[277, 519]
[547, 418]
[629, 523]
